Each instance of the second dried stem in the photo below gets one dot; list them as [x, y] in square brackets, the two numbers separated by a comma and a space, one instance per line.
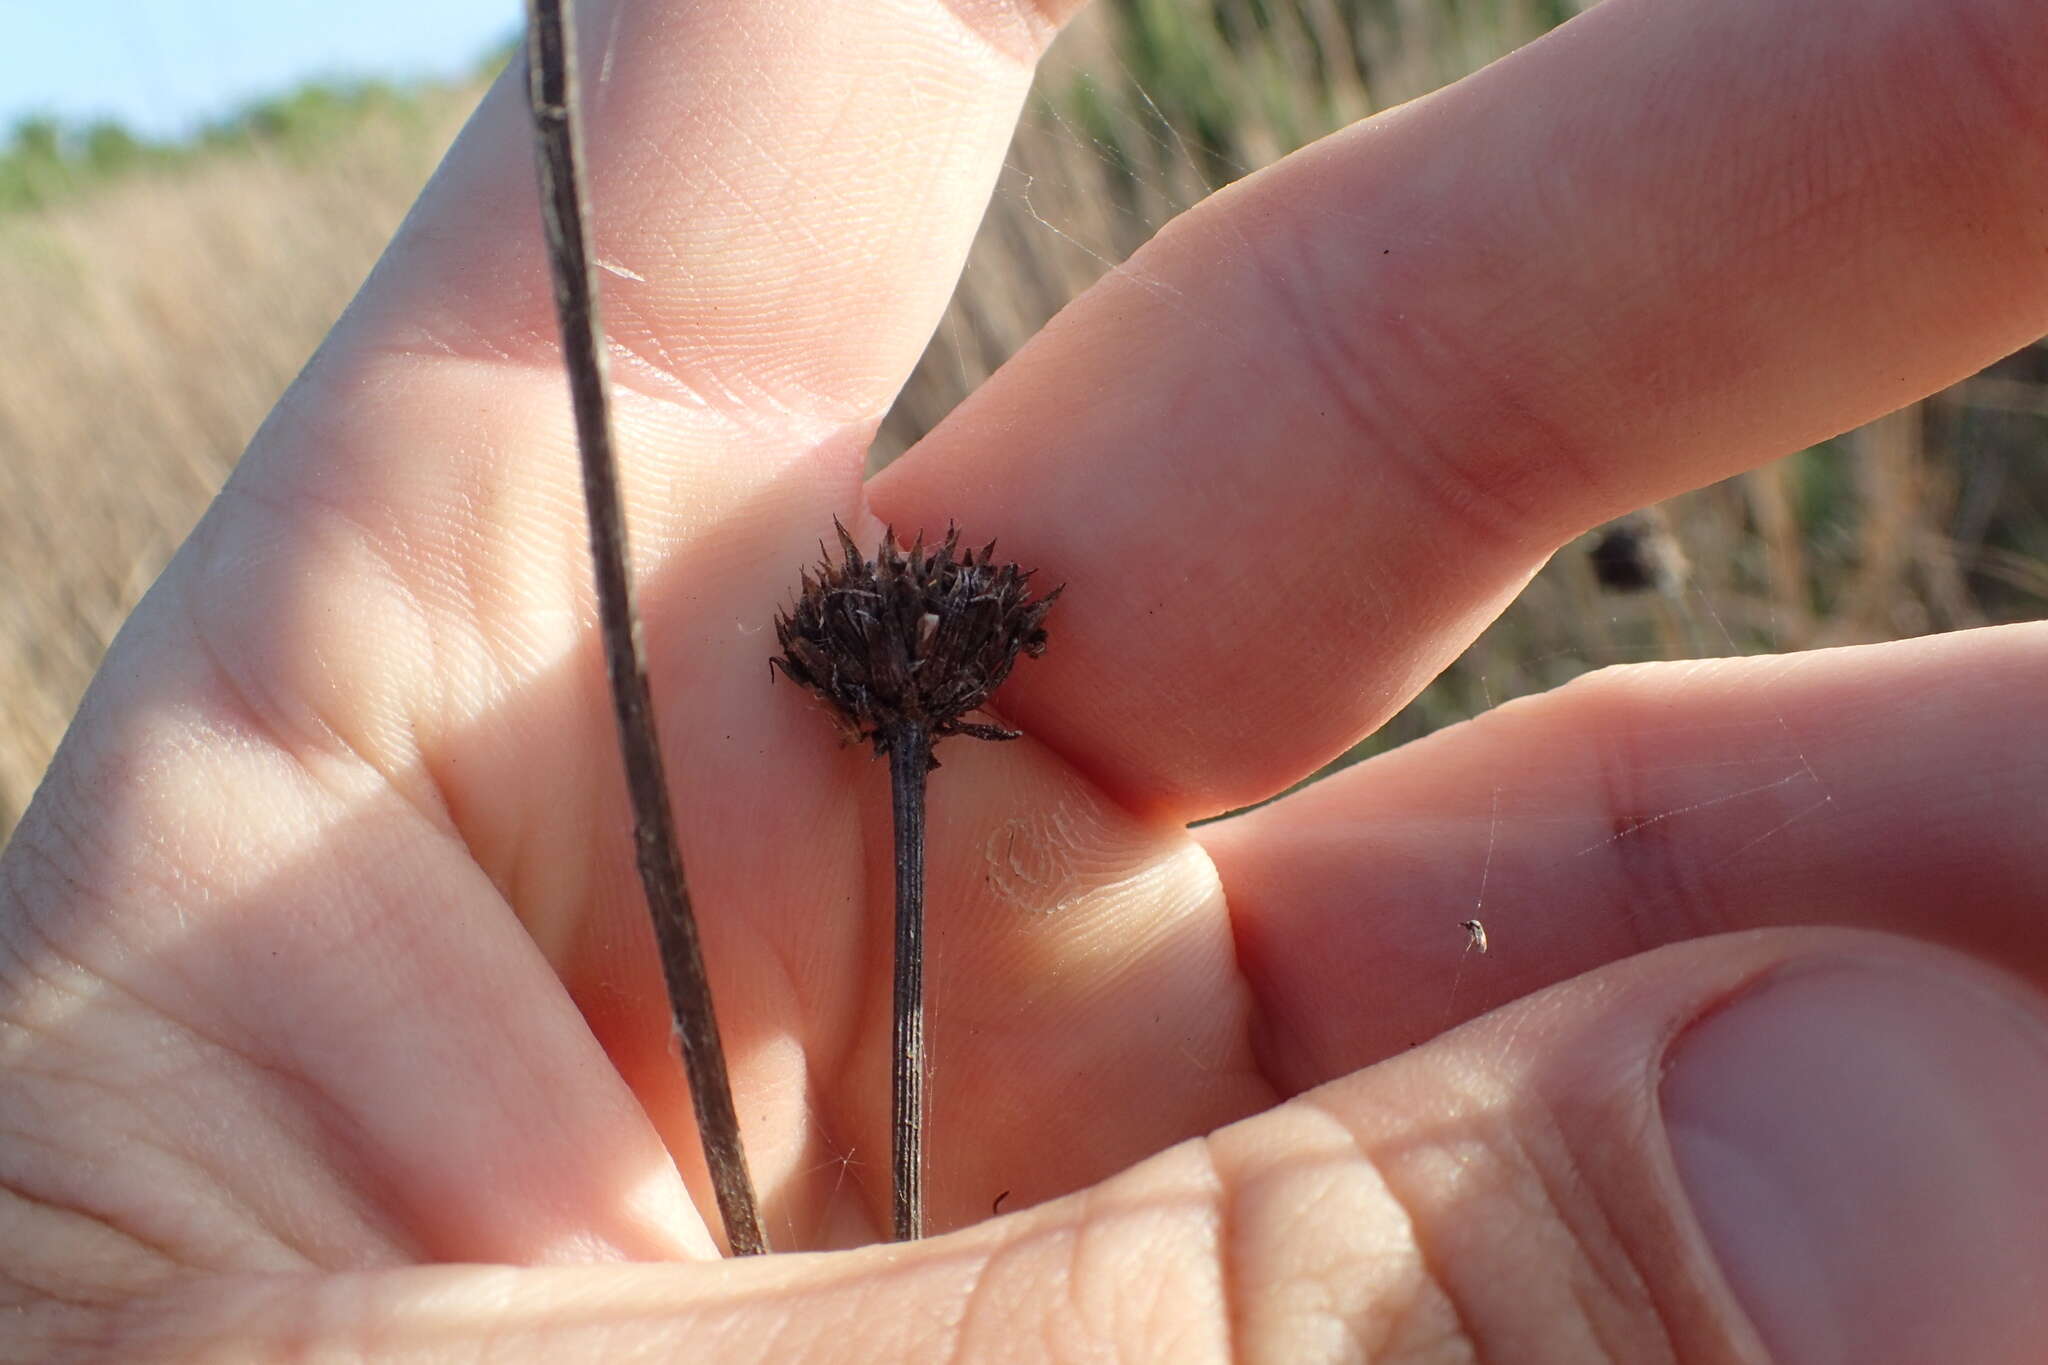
[910, 758]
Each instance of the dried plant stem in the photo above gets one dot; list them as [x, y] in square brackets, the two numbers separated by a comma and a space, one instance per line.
[552, 91]
[910, 758]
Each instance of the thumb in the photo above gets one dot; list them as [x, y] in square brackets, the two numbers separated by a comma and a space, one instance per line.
[1795, 1146]
[1805, 1147]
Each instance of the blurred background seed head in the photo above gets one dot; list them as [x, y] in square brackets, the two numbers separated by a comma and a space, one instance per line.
[157, 292]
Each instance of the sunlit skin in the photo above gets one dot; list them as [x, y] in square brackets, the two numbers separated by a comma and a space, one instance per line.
[329, 1009]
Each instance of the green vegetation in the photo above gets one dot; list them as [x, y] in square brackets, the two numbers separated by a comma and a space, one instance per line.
[47, 161]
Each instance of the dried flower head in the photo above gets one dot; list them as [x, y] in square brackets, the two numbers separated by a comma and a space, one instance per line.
[910, 641]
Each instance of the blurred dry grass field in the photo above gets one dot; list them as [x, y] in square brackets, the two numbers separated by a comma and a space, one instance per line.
[150, 324]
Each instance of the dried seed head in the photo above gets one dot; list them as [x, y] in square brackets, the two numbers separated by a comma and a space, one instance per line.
[1638, 552]
[910, 640]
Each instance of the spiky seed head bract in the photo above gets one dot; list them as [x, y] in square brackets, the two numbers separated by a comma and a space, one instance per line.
[910, 640]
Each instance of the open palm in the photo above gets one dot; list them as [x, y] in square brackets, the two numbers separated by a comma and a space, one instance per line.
[325, 949]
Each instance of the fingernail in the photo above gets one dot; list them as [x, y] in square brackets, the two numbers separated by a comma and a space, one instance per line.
[1866, 1148]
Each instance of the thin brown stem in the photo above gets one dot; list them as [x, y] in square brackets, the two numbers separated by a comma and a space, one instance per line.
[910, 758]
[551, 87]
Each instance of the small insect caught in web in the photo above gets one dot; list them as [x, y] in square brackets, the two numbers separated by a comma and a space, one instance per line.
[1475, 937]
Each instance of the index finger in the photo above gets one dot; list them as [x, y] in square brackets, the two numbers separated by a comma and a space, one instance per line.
[1309, 441]
[777, 189]
[780, 193]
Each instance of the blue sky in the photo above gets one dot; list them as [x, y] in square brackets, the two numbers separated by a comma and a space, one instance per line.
[164, 66]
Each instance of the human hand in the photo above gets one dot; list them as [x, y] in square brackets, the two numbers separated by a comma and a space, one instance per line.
[325, 969]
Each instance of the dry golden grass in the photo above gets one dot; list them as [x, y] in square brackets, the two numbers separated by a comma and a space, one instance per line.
[150, 326]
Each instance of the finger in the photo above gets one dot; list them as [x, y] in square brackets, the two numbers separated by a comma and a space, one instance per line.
[1885, 787]
[1308, 441]
[781, 194]
[1779, 1146]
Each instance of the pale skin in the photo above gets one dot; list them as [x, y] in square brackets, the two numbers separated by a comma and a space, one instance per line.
[330, 1017]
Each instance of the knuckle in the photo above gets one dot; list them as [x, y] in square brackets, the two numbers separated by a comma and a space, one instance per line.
[1424, 394]
[1679, 821]
[1130, 1273]
[1505, 1237]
